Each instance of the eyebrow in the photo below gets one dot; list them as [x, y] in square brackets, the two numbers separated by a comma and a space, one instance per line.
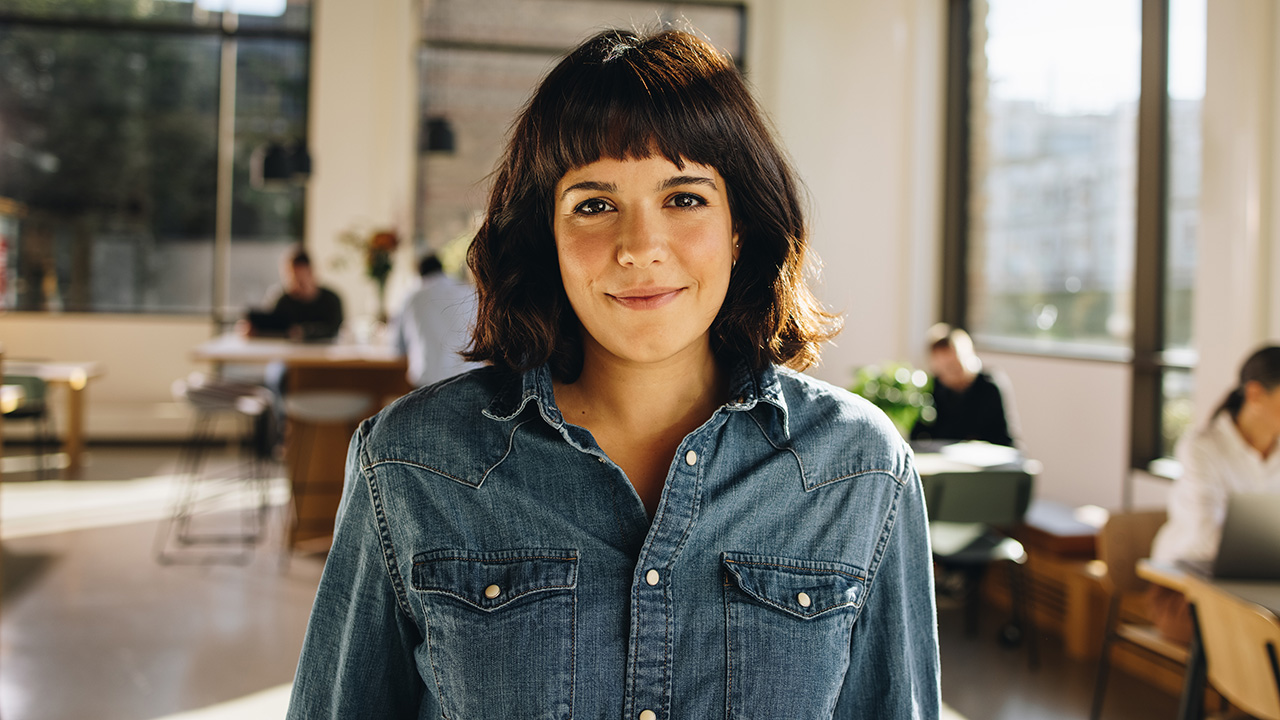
[674, 181]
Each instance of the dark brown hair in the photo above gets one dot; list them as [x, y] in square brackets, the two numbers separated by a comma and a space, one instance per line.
[626, 95]
[1262, 367]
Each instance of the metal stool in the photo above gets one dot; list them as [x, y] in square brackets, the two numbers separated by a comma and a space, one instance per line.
[199, 494]
[321, 423]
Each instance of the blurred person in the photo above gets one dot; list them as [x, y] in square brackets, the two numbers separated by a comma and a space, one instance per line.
[640, 509]
[433, 327]
[1235, 452]
[971, 403]
[303, 310]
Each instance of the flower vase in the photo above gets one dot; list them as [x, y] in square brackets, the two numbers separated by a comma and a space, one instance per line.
[380, 315]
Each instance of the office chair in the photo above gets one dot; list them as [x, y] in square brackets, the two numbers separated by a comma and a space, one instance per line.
[33, 406]
[1240, 642]
[1125, 539]
[968, 512]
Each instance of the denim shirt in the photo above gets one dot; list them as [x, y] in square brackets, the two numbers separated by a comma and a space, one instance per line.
[490, 561]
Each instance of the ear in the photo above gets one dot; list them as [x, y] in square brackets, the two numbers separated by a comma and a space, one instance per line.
[1254, 391]
[737, 247]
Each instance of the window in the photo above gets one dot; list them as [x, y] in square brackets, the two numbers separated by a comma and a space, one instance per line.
[480, 61]
[113, 114]
[1073, 188]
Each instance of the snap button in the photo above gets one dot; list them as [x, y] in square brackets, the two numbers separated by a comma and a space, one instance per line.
[804, 600]
[652, 577]
[648, 715]
[494, 591]
[691, 458]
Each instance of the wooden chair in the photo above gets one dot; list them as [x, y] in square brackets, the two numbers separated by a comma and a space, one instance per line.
[968, 513]
[1240, 642]
[1125, 539]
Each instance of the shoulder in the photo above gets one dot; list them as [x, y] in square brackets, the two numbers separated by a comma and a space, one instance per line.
[329, 296]
[839, 434]
[443, 425]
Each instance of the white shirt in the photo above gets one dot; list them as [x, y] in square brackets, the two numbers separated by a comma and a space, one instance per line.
[1216, 462]
[433, 326]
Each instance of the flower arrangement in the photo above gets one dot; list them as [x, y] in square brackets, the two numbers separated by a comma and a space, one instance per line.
[377, 248]
[902, 392]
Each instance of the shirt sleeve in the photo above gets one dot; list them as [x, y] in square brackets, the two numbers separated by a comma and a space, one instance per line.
[894, 666]
[357, 658]
[1197, 504]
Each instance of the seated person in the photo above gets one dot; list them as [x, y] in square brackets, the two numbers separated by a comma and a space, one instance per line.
[434, 325]
[971, 404]
[1236, 452]
[303, 310]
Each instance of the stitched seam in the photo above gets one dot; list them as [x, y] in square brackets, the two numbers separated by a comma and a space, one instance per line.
[791, 567]
[511, 443]
[389, 560]
[498, 561]
[728, 648]
[573, 655]
[435, 667]
[889, 522]
[896, 478]
[410, 463]
[508, 601]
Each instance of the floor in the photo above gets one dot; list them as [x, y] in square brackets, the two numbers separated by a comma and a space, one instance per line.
[93, 626]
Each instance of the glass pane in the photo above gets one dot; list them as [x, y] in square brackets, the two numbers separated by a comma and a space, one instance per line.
[1176, 415]
[1053, 156]
[271, 107]
[167, 11]
[1186, 95]
[561, 24]
[108, 146]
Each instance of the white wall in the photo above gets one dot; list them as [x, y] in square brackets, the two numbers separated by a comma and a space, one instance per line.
[855, 88]
[1237, 291]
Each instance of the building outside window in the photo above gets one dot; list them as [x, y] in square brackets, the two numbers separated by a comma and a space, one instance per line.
[1049, 243]
[113, 116]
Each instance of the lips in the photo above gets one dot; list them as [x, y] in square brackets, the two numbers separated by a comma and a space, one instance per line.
[646, 298]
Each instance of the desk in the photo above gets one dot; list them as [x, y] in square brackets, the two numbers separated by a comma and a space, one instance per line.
[373, 369]
[1174, 577]
[75, 377]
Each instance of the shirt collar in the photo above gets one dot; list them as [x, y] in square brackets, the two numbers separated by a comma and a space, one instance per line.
[748, 390]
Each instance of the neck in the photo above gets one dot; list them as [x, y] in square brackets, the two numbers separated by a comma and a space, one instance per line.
[677, 394]
[1256, 431]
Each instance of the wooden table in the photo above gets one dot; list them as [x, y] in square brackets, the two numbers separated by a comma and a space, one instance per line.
[377, 370]
[74, 377]
[1174, 577]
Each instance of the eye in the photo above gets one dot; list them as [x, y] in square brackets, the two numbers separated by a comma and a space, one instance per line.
[687, 200]
[594, 206]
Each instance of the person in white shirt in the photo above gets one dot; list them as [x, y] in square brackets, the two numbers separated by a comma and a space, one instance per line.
[433, 326]
[1238, 451]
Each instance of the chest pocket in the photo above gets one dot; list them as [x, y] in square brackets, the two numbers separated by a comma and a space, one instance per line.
[500, 631]
[790, 623]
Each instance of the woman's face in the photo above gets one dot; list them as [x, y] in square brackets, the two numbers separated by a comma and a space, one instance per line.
[645, 251]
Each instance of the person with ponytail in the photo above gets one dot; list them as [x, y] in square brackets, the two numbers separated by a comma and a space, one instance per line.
[1238, 451]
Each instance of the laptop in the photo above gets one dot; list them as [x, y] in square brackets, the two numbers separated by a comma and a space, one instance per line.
[1250, 547]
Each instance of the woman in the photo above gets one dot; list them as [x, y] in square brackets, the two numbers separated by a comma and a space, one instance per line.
[634, 512]
[1236, 452]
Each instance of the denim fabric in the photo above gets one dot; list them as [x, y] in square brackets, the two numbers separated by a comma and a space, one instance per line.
[491, 562]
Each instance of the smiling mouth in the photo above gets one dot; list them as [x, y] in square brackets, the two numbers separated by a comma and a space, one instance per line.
[646, 299]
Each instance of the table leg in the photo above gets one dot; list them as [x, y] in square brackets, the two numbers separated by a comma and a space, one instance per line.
[73, 444]
[1191, 705]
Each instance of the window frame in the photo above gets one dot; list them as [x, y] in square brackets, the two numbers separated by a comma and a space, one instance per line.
[1147, 356]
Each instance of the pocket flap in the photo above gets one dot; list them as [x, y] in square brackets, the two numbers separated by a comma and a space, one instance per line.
[490, 580]
[803, 588]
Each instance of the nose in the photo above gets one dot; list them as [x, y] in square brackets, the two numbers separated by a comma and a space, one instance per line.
[641, 238]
